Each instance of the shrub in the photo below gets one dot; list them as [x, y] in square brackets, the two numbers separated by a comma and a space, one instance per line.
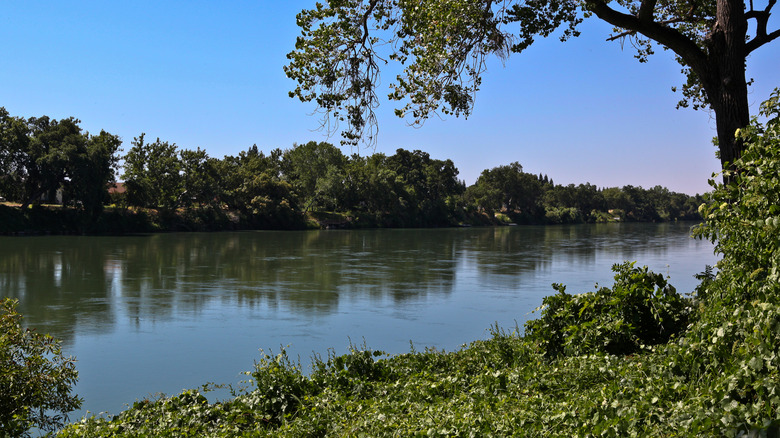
[641, 308]
[35, 377]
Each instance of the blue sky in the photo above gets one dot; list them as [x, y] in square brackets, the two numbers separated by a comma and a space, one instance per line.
[209, 74]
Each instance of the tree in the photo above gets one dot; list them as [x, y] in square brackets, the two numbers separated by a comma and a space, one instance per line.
[91, 169]
[200, 177]
[14, 142]
[47, 158]
[39, 156]
[443, 46]
[238, 171]
[314, 171]
[426, 186]
[742, 219]
[152, 174]
[508, 188]
[35, 377]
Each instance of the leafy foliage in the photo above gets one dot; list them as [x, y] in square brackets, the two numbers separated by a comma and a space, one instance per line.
[641, 309]
[168, 188]
[152, 174]
[40, 155]
[35, 377]
[743, 216]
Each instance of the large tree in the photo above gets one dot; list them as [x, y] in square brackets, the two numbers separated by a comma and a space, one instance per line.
[444, 44]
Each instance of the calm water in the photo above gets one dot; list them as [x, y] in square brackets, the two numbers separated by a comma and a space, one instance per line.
[160, 313]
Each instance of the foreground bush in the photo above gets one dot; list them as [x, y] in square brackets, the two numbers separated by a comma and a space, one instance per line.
[35, 377]
[641, 309]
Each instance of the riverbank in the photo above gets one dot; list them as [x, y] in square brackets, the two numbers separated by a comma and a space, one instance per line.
[59, 220]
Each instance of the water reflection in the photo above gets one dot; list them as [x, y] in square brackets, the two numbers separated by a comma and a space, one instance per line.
[69, 284]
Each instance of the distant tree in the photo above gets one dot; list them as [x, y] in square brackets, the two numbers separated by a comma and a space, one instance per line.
[370, 186]
[152, 174]
[272, 202]
[36, 379]
[443, 46]
[39, 156]
[237, 171]
[617, 199]
[52, 146]
[425, 185]
[508, 188]
[314, 170]
[200, 178]
[91, 170]
[14, 144]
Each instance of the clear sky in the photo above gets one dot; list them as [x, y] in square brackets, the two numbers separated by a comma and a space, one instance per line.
[209, 74]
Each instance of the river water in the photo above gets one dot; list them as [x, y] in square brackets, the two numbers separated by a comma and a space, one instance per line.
[161, 313]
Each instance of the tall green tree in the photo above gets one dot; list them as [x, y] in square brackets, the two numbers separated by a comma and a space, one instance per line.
[443, 46]
[508, 188]
[237, 171]
[427, 185]
[53, 144]
[40, 155]
[315, 171]
[152, 174]
[201, 178]
[91, 170]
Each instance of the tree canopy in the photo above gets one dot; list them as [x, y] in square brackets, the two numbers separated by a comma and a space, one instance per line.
[40, 155]
[443, 46]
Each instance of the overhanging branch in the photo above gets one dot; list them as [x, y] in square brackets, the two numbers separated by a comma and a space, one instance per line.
[695, 57]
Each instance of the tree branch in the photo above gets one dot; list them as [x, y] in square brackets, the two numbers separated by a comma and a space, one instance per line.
[687, 49]
[762, 20]
[760, 40]
[364, 20]
[646, 10]
[633, 32]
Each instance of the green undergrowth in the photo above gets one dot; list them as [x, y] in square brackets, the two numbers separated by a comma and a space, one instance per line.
[634, 359]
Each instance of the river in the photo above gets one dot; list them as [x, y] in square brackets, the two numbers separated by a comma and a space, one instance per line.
[164, 312]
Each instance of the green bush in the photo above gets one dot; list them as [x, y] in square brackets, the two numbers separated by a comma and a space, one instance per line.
[640, 309]
[35, 377]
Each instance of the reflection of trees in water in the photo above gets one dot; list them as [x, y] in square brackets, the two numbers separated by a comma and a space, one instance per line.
[59, 285]
[67, 283]
[313, 271]
[64, 281]
[503, 255]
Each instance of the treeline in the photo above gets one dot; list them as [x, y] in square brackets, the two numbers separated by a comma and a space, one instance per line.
[42, 159]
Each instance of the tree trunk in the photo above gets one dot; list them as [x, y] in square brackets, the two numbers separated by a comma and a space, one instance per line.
[728, 89]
